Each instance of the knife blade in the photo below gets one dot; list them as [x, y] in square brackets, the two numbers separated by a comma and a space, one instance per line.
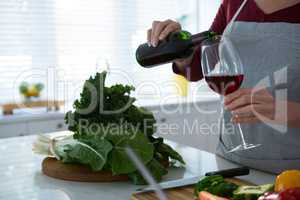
[172, 184]
[227, 173]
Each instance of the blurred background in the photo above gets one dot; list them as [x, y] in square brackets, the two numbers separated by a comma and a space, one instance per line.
[49, 47]
[71, 39]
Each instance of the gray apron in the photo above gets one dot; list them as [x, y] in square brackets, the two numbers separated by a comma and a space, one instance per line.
[270, 54]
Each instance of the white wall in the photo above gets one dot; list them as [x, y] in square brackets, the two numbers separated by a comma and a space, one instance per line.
[207, 12]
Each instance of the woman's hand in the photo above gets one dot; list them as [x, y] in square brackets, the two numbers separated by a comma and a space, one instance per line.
[249, 106]
[159, 31]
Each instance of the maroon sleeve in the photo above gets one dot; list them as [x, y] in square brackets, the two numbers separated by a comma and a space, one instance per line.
[193, 72]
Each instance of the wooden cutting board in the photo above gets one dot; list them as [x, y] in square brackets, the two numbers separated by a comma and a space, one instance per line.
[75, 172]
[182, 193]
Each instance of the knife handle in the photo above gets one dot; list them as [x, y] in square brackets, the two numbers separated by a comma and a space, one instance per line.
[229, 173]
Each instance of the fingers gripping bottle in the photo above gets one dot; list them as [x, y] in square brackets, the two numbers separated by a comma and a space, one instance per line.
[177, 45]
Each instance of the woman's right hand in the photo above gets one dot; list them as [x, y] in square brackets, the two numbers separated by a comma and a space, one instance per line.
[159, 31]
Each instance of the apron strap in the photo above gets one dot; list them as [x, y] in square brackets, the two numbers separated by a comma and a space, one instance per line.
[228, 28]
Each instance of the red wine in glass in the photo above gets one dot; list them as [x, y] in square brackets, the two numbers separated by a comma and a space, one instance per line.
[222, 68]
[224, 84]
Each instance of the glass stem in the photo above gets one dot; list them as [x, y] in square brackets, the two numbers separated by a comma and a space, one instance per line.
[241, 134]
[222, 127]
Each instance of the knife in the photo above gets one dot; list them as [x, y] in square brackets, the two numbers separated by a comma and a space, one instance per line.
[227, 173]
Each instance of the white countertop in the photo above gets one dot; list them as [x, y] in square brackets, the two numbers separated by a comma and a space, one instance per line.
[21, 177]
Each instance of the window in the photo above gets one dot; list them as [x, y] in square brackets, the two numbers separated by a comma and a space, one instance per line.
[62, 42]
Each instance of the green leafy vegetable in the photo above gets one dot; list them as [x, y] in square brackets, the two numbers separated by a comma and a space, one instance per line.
[166, 150]
[105, 122]
[90, 152]
[216, 185]
[121, 163]
[224, 189]
[156, 169]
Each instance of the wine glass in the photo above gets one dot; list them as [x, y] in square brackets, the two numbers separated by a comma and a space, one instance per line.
[223, 72]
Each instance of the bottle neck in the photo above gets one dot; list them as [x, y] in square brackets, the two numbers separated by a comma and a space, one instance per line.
[198, 38]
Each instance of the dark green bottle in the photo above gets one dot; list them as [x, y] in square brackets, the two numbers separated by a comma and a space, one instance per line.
[176, 46]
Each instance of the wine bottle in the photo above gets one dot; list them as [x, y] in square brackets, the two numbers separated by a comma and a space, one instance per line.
[176, 46]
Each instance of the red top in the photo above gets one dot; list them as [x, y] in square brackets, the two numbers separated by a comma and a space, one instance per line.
[250, 13]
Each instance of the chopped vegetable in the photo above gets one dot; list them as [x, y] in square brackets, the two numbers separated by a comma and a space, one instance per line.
[289, 194]
[208, 196]
[269, 196]
[287, 180]
[215, 185]
[251, 192]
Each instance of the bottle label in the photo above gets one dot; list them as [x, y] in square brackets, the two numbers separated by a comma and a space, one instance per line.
[184, 35]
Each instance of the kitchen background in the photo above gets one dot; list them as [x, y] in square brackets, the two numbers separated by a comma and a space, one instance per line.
[60, 43]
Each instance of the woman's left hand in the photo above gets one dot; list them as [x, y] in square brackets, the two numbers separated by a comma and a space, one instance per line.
[249, 106]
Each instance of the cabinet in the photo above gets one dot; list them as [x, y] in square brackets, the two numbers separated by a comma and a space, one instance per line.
[48, 126]
[32, 125]
[13, 130]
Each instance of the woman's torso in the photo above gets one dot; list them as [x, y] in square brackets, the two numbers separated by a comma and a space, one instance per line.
[269, 46]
